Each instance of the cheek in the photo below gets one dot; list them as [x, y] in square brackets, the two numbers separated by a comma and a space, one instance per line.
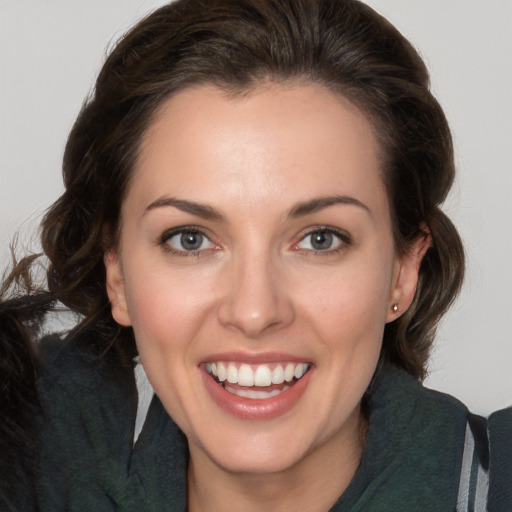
[351, 302]
[165, 307]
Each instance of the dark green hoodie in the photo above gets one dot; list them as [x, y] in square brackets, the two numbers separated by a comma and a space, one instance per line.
[419, 444]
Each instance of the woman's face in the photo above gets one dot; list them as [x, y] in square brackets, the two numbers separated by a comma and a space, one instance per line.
[256, 265]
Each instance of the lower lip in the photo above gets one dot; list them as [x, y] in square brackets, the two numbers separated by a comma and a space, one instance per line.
[256, 409]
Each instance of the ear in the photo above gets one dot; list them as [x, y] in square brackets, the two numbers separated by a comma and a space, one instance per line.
[115, 288]
[405, 278]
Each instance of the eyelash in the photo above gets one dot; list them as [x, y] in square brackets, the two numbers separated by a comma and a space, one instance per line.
[344, 237]
[168, 235]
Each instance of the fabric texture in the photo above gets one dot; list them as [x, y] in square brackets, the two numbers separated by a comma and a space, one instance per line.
[500, 461]
[412, 460]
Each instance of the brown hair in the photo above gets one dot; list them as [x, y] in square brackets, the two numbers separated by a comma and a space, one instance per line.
[236, 44]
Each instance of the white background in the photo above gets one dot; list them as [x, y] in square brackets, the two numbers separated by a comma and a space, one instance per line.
[51, 51]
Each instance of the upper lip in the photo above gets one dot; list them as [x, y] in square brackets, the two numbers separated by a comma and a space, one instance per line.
[255, 358]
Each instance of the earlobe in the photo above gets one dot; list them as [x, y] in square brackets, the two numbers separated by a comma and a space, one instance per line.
[406, 275]
[116, 289]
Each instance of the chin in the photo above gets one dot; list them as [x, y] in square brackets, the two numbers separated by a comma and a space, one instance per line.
[255, 459]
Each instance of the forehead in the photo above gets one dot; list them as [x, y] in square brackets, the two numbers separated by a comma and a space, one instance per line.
[298, 141]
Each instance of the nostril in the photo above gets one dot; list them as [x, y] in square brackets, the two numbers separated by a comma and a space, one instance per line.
[253, 300]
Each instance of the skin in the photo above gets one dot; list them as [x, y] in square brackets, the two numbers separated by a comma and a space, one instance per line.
[258, 285]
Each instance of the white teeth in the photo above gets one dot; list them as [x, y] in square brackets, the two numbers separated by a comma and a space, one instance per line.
[250, 393]
[260, 375]
[232, 374]
[263, 376]
[245, 375]
[278, 375]
[289, 372]
[300, 370]
[221, 372]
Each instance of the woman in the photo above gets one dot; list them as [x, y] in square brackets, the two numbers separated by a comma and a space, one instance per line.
[252, 212]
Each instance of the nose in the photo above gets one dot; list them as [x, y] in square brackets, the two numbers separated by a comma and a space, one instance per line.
[255, 300]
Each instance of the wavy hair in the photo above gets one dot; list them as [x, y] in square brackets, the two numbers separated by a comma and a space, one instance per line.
[236, 45]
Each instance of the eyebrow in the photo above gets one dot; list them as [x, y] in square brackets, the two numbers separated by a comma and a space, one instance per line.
[200, 210]
[320, 203]
[299, 210]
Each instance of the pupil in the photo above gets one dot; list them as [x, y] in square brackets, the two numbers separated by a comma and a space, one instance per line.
[191, 241]
[321, 240]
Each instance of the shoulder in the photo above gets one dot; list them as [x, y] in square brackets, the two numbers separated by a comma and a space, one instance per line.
[485, 475]
[76, 381]
[486, 472]
[76, 358]
[85, 426]
[88, 457]
[499, 428]
[428, 448]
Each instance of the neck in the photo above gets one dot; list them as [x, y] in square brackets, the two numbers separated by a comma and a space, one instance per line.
[214, 489]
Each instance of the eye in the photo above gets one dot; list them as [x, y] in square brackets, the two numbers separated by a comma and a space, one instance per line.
[323, 240]
[186, 241]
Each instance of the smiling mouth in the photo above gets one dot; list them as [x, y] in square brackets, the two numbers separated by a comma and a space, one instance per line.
[256, 381]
